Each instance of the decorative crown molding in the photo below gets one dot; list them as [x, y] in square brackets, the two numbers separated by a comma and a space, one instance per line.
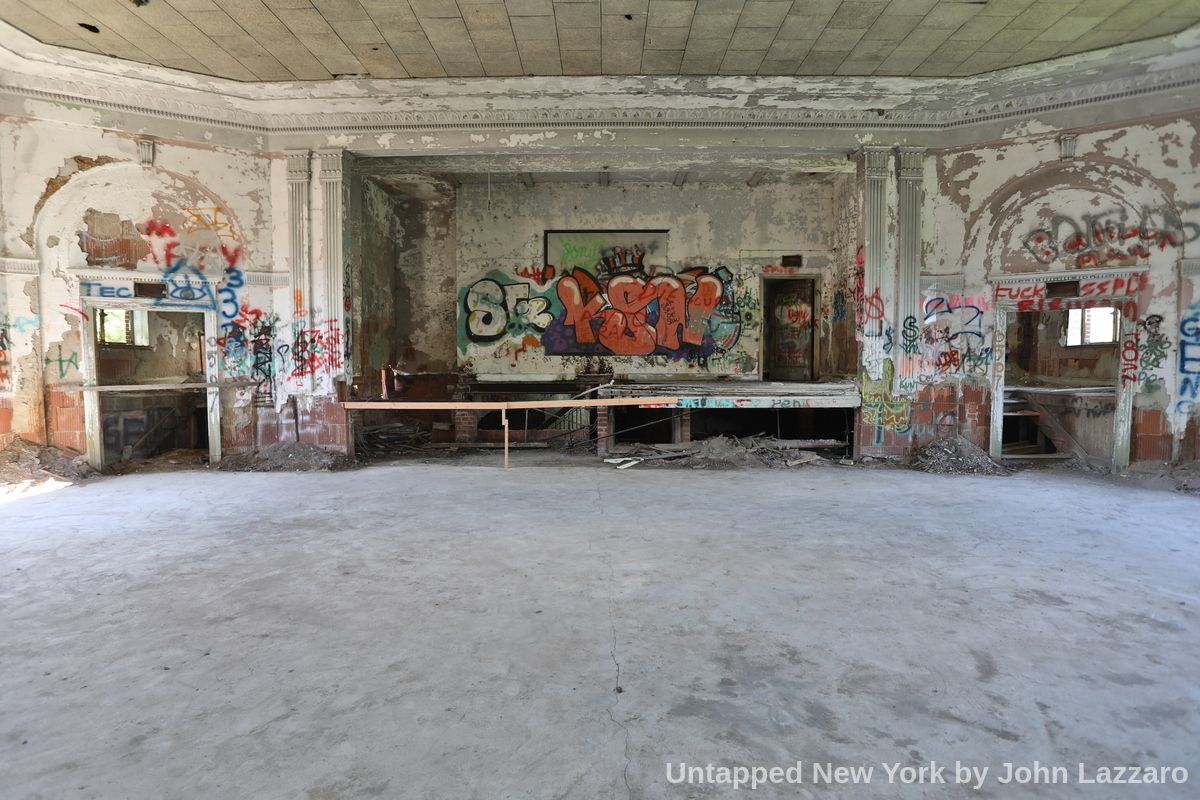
[30, 70]
[116, 276]
[18, 266]
[1070, 275]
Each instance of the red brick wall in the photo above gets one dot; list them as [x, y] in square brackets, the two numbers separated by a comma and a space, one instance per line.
[6, 415]
[321, 421]
[934, 412]
[65, 419]
[1151, 436]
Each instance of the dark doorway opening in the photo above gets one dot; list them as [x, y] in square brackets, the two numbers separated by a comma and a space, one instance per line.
[835, 424]
[789, 352]
[644, 425]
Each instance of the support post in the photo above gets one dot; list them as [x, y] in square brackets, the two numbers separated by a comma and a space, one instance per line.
[879, 270]
[908, 284]
[504, 423]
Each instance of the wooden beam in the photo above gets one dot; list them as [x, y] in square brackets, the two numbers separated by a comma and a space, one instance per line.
[396, 405]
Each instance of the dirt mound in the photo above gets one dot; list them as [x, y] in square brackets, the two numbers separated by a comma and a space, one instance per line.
[284, 457]
[955, 456]
[25, 461]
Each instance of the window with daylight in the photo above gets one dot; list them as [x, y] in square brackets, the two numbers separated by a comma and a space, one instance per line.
[1091, 326]
[121, 327]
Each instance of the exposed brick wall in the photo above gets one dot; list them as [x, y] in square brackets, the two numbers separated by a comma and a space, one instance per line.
[65, 421]
[466, 425]
[320, 420]
[6, 416]
[1152, 438]
[934, 412]
[605, 441]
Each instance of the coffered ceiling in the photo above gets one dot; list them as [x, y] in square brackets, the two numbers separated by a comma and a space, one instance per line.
[281, 40]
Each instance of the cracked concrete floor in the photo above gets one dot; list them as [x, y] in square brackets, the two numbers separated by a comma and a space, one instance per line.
[448, 631]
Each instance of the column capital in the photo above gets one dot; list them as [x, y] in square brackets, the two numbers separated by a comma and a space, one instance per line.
[331, 164]
[912, 163]
[875, 159]
[297, 165]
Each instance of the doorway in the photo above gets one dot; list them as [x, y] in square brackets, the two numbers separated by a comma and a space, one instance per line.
[789, 341]
[1062, 385]
[149, 376]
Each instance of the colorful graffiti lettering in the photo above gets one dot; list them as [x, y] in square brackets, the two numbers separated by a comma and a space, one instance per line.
[1189, 360]
[248, 350]
[314, 350]
[880, 408]
[694, 314]
[494, 310]
[1099, 240]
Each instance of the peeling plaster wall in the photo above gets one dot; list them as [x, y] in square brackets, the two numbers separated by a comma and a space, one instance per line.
[1128, 200]
[175, 352]
[426, 231]
[723, 239]
[203, 207]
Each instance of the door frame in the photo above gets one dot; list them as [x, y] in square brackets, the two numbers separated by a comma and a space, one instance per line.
[92, 420]
[1123, 416]
[800, 274]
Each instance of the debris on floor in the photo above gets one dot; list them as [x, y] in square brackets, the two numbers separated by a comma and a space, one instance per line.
[284, 457]
[26, 461]
[954, 455]
[727, 452]
[393, 438]
[170, 461]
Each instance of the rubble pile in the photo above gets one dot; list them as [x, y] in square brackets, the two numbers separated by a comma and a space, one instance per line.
[284, 457]
[723, 452]
[25, 461]
[954, 455]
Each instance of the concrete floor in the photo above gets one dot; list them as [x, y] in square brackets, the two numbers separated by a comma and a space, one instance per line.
[450, 631]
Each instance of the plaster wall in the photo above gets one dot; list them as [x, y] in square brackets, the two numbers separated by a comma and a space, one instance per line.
[1122, 213]
[519, 316]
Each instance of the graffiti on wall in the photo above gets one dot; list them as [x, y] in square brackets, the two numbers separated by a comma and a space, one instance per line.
[5, 346]
[617, 306]
[1113, 292]
[608, 252]
[1110, 238]
[62, 362]
[1189, 360]
[1154, 347]
[199, 254]
[881, 409]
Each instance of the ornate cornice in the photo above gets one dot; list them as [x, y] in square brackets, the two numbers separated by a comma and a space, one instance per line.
[101, 275]
[18, 266]
[1071, 275]
[32, 71]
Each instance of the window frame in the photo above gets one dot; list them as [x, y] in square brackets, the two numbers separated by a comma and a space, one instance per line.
[131, 327]
[1086, 327]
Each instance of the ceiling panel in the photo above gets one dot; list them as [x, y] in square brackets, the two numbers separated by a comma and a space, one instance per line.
[272, 40]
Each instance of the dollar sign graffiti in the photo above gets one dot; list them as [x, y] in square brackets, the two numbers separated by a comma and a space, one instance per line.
[911, 335]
